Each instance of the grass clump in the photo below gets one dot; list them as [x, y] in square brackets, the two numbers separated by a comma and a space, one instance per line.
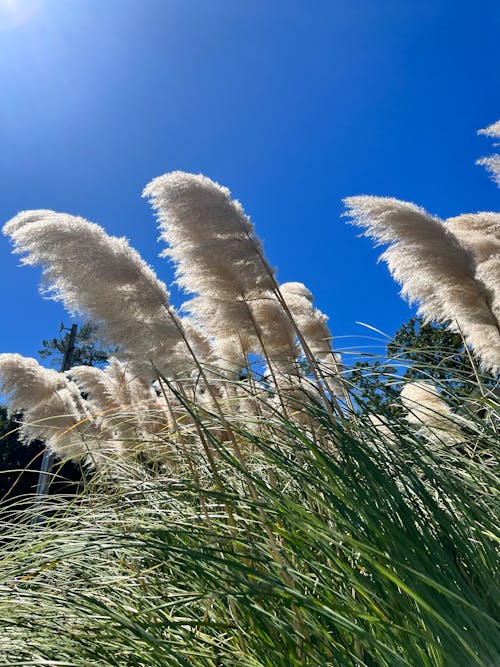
[345, 543]
[251, 501]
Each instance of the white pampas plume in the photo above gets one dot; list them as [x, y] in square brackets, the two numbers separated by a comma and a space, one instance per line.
[492, 162]
[480, 233]
[219, 259]
[434, 269]
[124, 405]
[197, 338]
[277, 335]
[25, 218]
[52, 407]
[230, 355]
[112, 387]
[383, 427]
[102, 277]
[300, 397]
[312, 324]
[427, 410]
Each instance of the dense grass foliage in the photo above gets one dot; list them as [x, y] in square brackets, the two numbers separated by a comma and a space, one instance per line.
[329, 540]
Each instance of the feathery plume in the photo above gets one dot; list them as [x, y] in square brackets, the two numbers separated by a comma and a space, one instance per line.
[113, 386]
[383, 427]
[25, 218]
[427, 410]
[220, 260]
[300, 396]
[102, 277]
[434, 269]
[312, 324]
[492, 162]
[124, 405]
[480, 233]
[276, 335]
[230, 356]
[52, 407]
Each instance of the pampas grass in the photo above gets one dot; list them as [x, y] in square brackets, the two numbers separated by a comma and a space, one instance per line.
[220, 260]
[238, 513]
[436, 269]
[106, 280]
[492, 162]
[432, 415]
[372, 552]
[52, 407]
[480, 233]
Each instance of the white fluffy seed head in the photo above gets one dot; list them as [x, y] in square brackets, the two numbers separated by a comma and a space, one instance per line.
[103, 278]
[230, 356]
[382, 427]
[52, 407]
[427, 410]
[423, 402]
[25, 382]
[492, 162]
[492, 130]
[434, 269]
[220, 261]
[25, 218]
[210, 239]
[312, 324]
[480, 233]
[126, 407]
[105, 388]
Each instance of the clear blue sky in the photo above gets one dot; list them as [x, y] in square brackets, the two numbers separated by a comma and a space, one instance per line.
[293, 104]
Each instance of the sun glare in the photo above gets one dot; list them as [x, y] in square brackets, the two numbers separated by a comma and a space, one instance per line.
[14, 13]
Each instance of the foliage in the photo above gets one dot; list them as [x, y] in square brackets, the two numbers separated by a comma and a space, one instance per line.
[89, 349]
[418, 351]
[274, 551]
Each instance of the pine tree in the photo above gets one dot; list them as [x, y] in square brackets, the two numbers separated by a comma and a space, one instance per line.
[89, 349]
[418, 351]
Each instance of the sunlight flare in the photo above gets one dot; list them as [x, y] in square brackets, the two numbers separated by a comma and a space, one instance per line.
[14, 13]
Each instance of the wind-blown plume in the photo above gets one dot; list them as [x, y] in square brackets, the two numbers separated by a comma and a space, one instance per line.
[219, 259]
[125, 405]
[434, 269]
[312, 324]
[52, 407]
[25, 218]
[480, 233]
[427, 410]
[113, 387]
[492, 162]
[105, 279]
[382, 426]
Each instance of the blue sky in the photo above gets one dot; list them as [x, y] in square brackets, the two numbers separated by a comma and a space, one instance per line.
[292, 104]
